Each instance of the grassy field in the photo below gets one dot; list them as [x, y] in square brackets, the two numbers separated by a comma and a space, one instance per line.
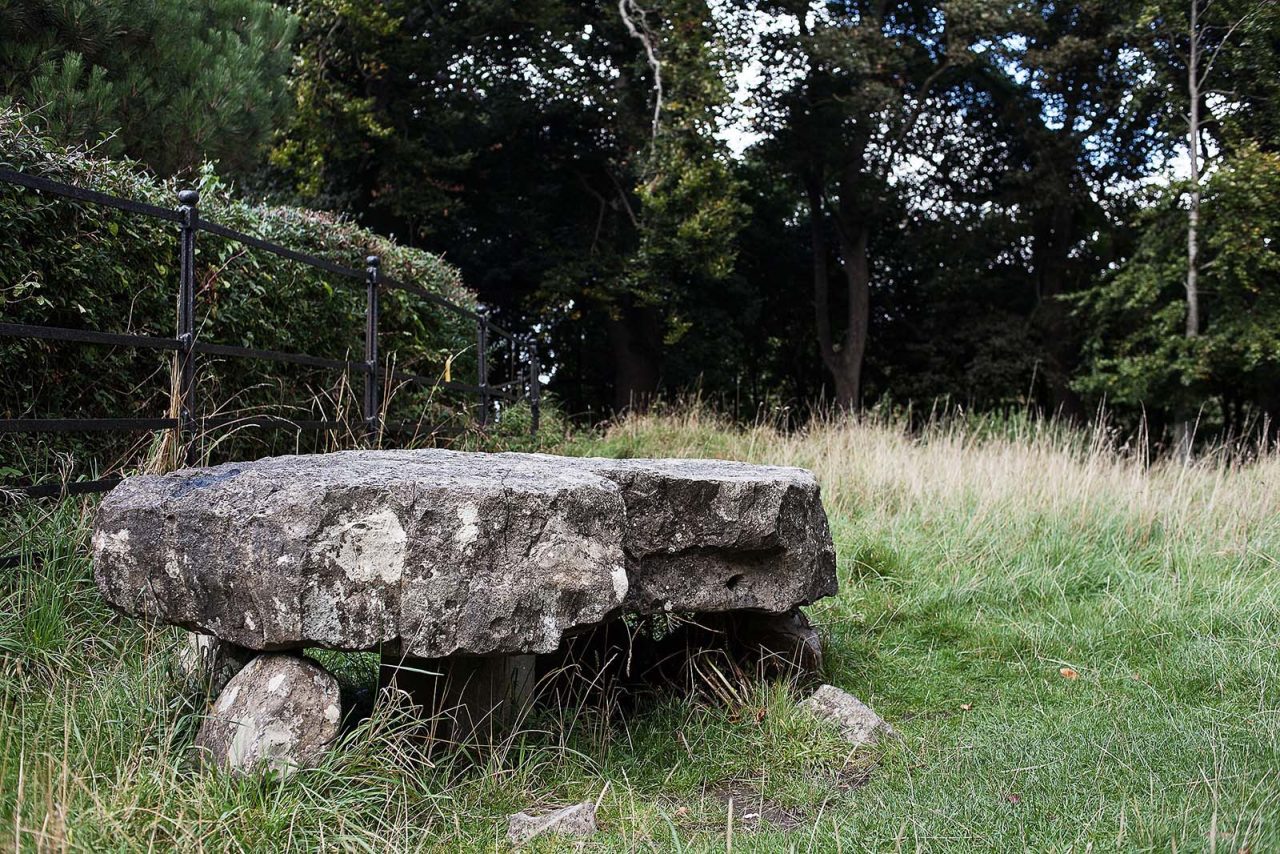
[976, 564]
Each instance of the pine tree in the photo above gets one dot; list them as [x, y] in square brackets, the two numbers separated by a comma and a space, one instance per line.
[168, 82]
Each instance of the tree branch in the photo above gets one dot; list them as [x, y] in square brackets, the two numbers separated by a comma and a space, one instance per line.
[1213, 57]
[603, 202]
[622, 195]
[625, 9]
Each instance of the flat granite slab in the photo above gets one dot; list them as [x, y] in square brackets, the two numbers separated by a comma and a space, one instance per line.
[447, 552]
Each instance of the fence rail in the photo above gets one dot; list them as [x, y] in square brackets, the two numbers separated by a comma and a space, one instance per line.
[185, 423]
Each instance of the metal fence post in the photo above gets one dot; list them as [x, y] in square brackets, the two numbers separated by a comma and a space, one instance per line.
[535, 389]
[482, 367]
[188, 201]
[372, 415]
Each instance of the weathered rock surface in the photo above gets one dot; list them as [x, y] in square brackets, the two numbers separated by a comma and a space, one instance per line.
[442, 552]
[279, 711]
[471, 698]
[856, 721]
[209, 662]
[788, 638]
[576, 820]
[710, 535]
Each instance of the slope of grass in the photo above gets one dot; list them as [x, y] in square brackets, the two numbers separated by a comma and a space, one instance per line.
[975, 565]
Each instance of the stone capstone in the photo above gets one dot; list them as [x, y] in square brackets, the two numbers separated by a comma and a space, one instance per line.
[280, 711]
[858, 724]
[433, 553]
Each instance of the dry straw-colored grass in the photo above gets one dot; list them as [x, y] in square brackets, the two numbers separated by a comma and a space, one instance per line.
[875, 465]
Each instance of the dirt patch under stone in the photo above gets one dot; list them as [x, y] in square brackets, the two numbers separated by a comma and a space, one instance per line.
[752, 811]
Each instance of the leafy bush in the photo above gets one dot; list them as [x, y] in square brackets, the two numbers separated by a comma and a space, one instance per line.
[74, 264]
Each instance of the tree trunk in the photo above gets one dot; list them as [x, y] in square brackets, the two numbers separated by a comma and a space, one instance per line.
[636, 338]
[1193, 152]
[1184, 433]
[1054, 228]
[843, 360]
[857, 274]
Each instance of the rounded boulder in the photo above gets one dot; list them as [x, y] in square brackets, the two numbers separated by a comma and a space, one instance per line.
[280, 711]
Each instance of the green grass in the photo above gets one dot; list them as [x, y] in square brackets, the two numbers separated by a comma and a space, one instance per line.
[975, 564]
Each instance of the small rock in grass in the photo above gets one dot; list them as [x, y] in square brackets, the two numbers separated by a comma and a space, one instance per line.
[576, 820]
[280, 711]
[857, 722]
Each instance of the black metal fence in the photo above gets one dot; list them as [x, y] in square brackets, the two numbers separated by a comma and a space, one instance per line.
[522, 385]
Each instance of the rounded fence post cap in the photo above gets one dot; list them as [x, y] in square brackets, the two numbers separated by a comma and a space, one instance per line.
[372, 261]
[189, 197]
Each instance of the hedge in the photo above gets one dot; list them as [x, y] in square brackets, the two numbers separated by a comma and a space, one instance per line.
[75, 264]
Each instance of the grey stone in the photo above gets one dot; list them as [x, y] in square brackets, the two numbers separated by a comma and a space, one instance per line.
[711, 535]
[439, 553]
[210, 663]
[280, 711]
[787, 638]
[856, 721]
[576, 820]
[470, 698]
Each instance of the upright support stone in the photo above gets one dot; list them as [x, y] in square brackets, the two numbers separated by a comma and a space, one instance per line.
[472, 697]
[281, 712]
[783, 640]
[209, 662]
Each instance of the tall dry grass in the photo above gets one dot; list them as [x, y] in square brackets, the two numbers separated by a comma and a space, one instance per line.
[991, 468]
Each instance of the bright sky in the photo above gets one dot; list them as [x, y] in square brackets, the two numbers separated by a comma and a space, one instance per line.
[738, 133]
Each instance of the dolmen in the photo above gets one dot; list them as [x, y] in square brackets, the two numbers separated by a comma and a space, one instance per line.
[458, 568]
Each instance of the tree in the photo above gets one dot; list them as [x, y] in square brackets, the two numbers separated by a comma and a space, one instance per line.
[844, 112]
[1211, 29]
[170, 83]
[1080, 128]
[1227, 375]
[1191, 41]
[532, 146]
[689, 212]
[1184, 323]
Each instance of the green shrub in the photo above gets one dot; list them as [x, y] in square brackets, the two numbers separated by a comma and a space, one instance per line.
[80, 265]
